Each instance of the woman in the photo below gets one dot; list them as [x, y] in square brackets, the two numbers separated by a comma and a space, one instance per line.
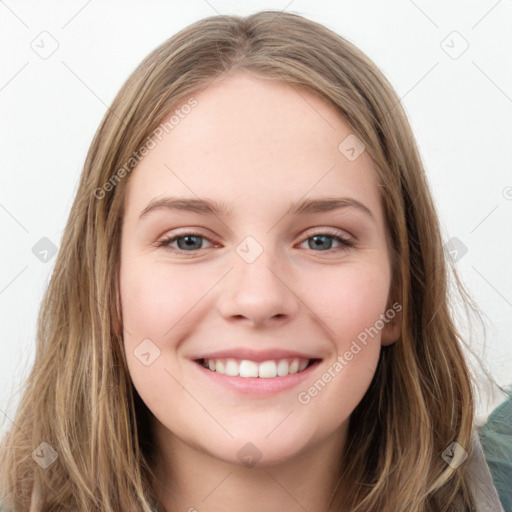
[334, 381]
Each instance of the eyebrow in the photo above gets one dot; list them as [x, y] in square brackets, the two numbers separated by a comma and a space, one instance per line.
[211, 207]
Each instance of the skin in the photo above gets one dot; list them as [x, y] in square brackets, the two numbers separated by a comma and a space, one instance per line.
[255, 145]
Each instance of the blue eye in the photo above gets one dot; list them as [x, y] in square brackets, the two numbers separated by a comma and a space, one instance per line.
[191, 242]
[320, 244]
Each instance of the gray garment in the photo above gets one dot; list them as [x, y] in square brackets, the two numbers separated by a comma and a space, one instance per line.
[482, 487]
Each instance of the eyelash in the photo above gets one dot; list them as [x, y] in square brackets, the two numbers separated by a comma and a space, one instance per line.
[345, 243]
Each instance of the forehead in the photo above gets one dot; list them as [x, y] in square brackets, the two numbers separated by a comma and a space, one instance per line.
[255, 142]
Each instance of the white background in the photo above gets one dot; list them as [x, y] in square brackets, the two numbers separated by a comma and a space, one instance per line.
[460, 110]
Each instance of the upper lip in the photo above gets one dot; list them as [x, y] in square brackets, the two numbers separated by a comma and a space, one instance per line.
[255, 355]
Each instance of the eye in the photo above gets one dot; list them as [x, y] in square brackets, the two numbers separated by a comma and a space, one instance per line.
[191, 242]
[188, 242]
[323, 241]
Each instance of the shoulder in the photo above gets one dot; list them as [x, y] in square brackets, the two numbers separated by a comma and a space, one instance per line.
[496, 441]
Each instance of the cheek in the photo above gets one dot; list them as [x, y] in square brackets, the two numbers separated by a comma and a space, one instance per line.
[350, 305]
[159, 308]
[151, 305]
[154, 299]
[349, 300]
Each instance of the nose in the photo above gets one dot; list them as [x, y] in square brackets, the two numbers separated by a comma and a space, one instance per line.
[259, 293]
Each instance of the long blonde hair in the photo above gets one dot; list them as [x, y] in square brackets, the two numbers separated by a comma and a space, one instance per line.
[79, 398]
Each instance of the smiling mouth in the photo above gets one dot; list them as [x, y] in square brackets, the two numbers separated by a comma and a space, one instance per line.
[264, 370]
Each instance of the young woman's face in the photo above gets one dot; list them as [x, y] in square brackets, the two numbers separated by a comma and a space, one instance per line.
[254, 288]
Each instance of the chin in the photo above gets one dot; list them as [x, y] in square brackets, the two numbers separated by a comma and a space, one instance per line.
[258, 450]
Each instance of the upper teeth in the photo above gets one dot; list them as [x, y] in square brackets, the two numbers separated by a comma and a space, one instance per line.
[246, 368]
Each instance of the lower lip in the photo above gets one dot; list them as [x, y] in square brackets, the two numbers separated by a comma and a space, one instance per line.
[258, 385]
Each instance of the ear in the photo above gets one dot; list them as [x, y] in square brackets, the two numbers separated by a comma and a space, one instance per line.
[393, 327]
[392, 330]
